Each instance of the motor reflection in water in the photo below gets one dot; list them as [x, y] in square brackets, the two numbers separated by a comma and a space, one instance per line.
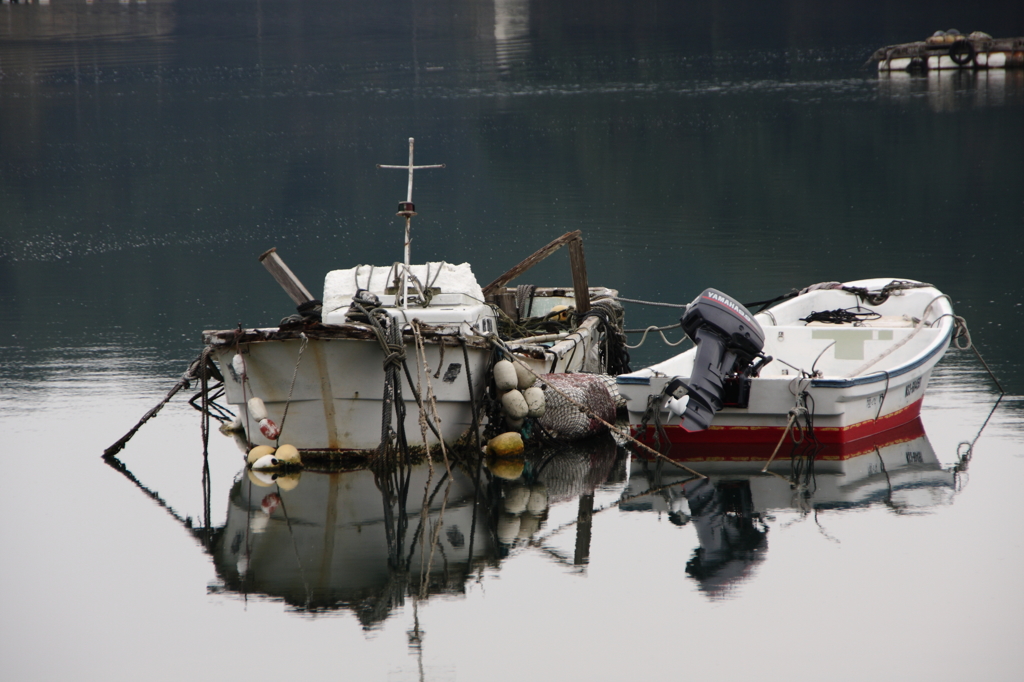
[730, 509]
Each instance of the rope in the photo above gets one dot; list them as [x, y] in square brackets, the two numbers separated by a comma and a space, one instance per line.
[653, 303]
[524, 299]
[291, 388]
[204, 419]
[961, 332]
[882, 295]
[615, 356]
[431, 398]
[469, 384]
[660, 330]
[855, 314]
[789, 425]
[389, 336]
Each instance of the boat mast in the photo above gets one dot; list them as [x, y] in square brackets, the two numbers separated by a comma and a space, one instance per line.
[407, 210]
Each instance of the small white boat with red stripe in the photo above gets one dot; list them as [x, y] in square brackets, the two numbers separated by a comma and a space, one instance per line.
[836, 362]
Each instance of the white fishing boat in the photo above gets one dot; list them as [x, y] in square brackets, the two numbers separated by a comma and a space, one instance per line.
[836, 363]
[389, 344]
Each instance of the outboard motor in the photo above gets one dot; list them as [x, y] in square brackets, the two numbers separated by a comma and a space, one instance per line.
[728, 340]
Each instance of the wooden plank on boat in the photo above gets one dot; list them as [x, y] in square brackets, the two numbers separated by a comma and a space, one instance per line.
[580, 287]
[532, 260]
[285, 277]
[506, 300]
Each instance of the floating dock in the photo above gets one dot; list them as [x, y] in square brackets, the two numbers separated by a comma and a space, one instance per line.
[952, 50]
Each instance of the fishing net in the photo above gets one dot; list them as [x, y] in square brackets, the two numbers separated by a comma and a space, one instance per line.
[565, 394]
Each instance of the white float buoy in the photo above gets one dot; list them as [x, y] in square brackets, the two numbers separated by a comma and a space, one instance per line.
[507, 528]
[516, 499]
[234, 426]
[513, 404]
[266, 462]
[505, 378]
[538, 499]
[257, 410]
[263, 480]
[535, 404]
[238, 364]
[524, 377]
[258, 452]
[528, 525]
[269, 429]
[258, 523]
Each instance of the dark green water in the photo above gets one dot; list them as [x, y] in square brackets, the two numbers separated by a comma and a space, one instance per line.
[149, 152]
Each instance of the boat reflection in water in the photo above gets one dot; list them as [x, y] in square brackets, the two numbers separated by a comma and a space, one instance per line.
[731, 507]
[366, 540]
[360, 540]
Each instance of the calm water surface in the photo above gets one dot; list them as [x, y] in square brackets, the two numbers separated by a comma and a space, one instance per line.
[150, 151]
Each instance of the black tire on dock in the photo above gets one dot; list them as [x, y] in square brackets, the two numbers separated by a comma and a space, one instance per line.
[961, 52]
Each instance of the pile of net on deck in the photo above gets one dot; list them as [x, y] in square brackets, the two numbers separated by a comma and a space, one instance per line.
[566, 394]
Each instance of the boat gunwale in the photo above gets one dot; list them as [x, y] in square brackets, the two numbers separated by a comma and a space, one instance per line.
[943, 319]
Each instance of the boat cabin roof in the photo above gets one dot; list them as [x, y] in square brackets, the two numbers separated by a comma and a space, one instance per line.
[449, 286]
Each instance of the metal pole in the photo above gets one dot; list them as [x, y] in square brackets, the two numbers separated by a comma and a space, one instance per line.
[405, 275]
[408, 237]
[407, 210]
[408, 196]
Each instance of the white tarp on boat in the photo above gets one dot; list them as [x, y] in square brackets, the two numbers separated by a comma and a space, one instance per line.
[341, 285]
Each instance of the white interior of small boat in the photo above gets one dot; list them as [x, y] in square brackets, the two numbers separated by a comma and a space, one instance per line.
[844, 350]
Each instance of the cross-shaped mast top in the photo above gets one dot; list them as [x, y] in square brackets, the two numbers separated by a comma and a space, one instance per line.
[407, 210]
[410, 168]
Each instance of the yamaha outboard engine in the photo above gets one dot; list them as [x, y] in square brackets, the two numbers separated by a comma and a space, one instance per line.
[728, 340]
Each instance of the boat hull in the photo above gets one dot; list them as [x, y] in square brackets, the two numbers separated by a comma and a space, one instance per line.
[325, 387]
[336, 400]
[874, 378]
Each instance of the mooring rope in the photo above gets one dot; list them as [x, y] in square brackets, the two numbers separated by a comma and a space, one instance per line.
[431, 398]
[652, 303]
[389, 336]
[291, 388]
[961, 332]
[660, 330]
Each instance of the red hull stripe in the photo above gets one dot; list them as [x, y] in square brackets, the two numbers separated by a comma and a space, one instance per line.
[753, 443]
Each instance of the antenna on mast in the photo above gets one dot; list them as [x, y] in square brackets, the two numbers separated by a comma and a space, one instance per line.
[407, 210]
